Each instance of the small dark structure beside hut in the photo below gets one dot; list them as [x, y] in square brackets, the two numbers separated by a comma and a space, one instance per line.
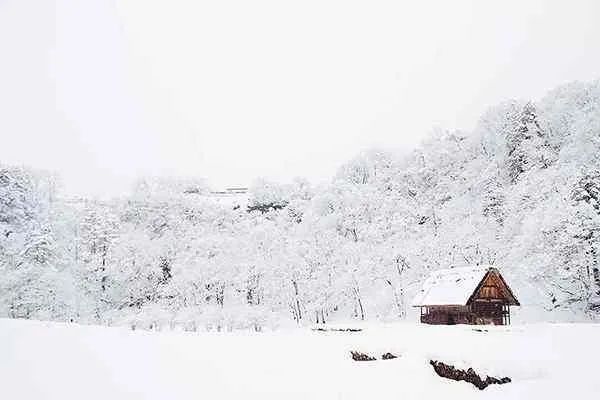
[466, 295]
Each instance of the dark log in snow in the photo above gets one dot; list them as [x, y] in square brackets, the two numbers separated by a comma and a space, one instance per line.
[358, 356]
[450, 372]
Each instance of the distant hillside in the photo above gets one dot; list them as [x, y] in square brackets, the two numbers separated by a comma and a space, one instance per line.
[522, 192]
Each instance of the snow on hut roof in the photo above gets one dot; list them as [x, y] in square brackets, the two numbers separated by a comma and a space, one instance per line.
[452, 286]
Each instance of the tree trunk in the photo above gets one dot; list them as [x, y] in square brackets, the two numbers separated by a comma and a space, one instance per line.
[397, 300]
[358, 299]
[297, 302]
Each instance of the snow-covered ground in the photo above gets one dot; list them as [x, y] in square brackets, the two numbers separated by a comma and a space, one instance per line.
[40, 360]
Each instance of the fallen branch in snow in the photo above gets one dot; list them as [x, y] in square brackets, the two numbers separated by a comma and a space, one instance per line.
[337, 329]
[450, 372]
[358, 356]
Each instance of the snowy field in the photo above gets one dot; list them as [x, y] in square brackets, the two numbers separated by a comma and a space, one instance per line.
[41, 360]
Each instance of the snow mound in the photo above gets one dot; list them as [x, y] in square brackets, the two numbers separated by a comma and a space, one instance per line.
[60, 361]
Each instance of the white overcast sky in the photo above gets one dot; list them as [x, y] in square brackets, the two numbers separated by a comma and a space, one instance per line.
[105, 90]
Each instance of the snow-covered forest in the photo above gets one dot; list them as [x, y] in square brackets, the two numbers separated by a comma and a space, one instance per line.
[522, 191]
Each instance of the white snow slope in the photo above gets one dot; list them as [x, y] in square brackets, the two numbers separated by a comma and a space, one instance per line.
[41, 360]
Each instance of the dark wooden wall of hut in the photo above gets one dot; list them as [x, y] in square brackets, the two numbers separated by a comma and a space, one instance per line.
[478, 313]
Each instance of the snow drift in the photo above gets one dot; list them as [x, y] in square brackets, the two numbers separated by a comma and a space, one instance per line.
[41, 360]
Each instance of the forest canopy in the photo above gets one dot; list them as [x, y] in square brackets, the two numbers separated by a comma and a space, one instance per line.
[522, 192]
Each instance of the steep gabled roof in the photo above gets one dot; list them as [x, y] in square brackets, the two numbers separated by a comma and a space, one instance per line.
[500, 285]
[457, 286]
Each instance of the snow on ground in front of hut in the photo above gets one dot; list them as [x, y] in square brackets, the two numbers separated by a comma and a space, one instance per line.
[40, 360]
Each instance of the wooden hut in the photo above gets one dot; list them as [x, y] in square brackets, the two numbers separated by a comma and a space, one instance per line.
[466, 295]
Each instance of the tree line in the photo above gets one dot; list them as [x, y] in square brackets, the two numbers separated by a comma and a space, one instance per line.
[522, 191]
